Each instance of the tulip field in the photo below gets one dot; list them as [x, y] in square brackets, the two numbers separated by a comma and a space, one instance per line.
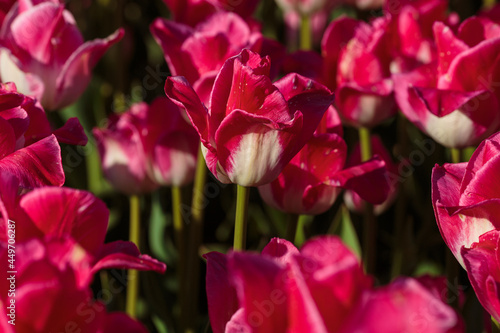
[250, 166]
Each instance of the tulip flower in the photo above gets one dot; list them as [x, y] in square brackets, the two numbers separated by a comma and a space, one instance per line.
[55, 301]
[312, 180]
[61, 213]
[253, 129]
[199, 53]
[148, 146]
[358, 64]
[29, 148]
[465, 200]
[456, 99]
[352, 199]
[44, 54]
[321, 288]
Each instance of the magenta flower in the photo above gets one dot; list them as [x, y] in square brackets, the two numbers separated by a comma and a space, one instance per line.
[312, 180]
[44, 53]
[455, 100]
[148, 146]
[252, 129]
[49, 294]
[465, 198]
[357, 61]
[322, 288]
[199, 53]
[29, 148]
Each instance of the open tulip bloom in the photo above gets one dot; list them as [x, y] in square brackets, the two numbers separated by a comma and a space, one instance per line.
[43, 51]
[465, 197]
[253, 127]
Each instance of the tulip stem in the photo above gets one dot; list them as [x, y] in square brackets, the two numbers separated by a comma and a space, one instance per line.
[305, 33]
[370, 222]
[365, 144]
[456, 155]
[133, 275]
[195, 238]
[240, 226]
[291, 227]
[179, 236]
[495, 328]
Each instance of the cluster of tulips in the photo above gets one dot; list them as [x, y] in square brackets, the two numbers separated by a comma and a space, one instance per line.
[258, 114]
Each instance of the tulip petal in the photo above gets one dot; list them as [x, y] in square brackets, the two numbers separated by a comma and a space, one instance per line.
[449, 46]
[121, 322]
[280, 249]
[7, 138]
[71, 133]
[61, 211]
[482, 268]
[37, 164]
[250, 148]
[221, 296]
[75, 74]
[125, 255]
[355, 178]
[260, 293]
[170, 36]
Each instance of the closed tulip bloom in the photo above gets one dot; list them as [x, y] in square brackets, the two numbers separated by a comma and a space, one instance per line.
[357, 66]
[455, 100]
[43, 52]
[148, 146]
[312, 180]
[252, 129]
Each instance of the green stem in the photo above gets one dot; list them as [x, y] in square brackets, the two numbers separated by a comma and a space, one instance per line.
[370, 222]
[133, 275]
[456, 155]
[305, 33]
[195, 239]
[240, 224]
[300, 236]
[291, 227]
[495, 328]
[365, 144]
[177, 219]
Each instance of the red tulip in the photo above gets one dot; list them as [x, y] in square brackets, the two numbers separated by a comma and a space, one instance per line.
[49, 294]
[456, 99]
[322, 288]
[359, 61]
[29, 148]
[61, 213]
[44, 53]
[199, 53]
[465, 197]
[148, 146]
[312, 180]
[253, 129]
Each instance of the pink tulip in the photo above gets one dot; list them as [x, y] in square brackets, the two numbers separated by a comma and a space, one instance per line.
[312, 180]
[61, 213]
[148, 146]
[465, 199]
[49, 294]
[253, 129]
[352, 199]
[29, 148]
[456, 99]
[322, 288]
[199, 53]
[44, 53]
[357, 61]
